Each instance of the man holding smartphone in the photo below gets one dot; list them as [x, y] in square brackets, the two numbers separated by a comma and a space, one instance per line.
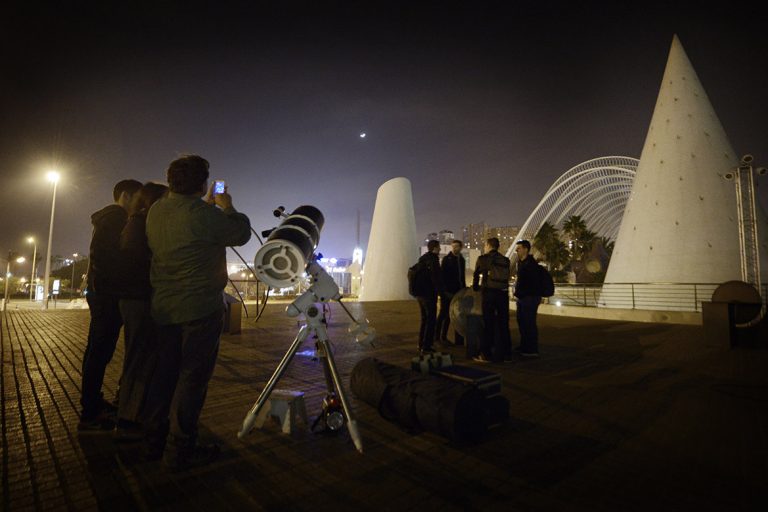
[188, 236]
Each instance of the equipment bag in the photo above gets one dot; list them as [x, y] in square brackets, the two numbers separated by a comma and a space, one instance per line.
[546, 284]
[419, 281]
[419, 402]
[499, 273]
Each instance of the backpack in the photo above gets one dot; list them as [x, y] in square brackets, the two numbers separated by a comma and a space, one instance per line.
[546, 284]
[499, 273]
[419, 280]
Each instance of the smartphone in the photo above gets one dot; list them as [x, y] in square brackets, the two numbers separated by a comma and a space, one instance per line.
[219, 186]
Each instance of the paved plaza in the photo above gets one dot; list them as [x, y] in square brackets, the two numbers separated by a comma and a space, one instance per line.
[613, 416]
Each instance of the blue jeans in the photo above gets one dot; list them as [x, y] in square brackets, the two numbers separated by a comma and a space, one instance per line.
[186, 357]
[526, 321]
[428, 308]
[140, 357]
[496, 343]
[103, 333]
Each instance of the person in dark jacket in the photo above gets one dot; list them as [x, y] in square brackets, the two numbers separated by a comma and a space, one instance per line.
[428, 298]
[452, 269]
[528, 296]
[106, 277]
[139, 329]
[493, 268]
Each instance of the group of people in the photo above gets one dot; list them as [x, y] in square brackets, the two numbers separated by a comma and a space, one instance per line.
[158, 270]
[491, 278]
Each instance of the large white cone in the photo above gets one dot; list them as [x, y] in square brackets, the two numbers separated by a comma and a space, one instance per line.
[392, 245]
[680, 224]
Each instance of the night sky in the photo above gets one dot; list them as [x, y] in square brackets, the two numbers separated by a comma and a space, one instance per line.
[482, 108]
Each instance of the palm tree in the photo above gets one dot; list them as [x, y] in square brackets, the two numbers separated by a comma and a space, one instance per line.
[574, 226]
[607, 244]
[548, 243]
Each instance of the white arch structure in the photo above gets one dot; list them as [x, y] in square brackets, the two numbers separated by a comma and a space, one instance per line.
[597, 190]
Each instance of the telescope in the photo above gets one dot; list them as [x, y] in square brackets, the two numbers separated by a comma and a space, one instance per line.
[287, 256]
[281, 261]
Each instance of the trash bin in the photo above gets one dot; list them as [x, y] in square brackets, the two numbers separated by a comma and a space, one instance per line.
[734, 304]
[233, 314]
[466, 312]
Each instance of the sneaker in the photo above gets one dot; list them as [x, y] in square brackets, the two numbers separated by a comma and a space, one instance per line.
[127, 432]
[200, 455]
[480, 359]
[152, 452]
[109, 409]
[529, 354]
[98, 425]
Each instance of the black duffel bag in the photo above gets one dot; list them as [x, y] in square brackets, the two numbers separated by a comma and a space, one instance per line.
[421, 402]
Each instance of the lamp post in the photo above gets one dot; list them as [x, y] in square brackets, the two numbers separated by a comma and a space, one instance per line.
[20, 259]
[53, 177]
[72, 282]
[32, 284]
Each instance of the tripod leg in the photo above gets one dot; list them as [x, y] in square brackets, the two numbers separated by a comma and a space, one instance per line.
[351, 423]
[250, 418]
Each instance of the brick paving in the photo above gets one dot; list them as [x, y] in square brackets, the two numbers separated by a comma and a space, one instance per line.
[613, 416]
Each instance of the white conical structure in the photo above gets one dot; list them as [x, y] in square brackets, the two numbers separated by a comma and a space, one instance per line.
[392, 244]
[680, 224]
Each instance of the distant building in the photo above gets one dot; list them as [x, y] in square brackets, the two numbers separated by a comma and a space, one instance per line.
[475, 236]
[445, 237]
[507, 236]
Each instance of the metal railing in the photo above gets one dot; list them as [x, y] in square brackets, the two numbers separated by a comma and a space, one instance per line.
[649, 296]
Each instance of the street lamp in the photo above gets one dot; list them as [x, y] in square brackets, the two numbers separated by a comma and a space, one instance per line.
[53, 177]
[72, 282]
[31, 240]
[20, 259]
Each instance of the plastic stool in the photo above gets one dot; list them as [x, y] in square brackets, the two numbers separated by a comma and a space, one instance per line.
[283, 405]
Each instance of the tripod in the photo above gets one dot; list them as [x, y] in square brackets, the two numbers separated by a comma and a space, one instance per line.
[323, 289]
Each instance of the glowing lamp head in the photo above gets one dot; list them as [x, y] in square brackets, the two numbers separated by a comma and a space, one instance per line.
[53, 176]
[21, 259]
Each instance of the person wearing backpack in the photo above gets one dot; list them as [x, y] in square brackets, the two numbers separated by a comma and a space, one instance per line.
[454, 280]
[494, 268]
[425, 282]
[528, 294]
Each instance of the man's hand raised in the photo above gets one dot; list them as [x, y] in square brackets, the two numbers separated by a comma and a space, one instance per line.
[223, 200]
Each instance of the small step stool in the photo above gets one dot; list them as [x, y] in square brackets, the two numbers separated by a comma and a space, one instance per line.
[283, 405]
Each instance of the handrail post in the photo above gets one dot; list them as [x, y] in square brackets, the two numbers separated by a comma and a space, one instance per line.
[695, 298]
[633, 294]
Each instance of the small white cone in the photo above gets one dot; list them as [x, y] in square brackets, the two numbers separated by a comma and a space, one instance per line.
[392, 245]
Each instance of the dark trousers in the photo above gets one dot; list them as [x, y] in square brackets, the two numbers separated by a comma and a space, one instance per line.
[186, 356]
[103, 333]
[526, 321]
[140, 334]
[428, 307]
[496, 343]
[444, 319]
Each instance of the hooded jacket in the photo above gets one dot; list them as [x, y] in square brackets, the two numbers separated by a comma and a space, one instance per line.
[106, 272]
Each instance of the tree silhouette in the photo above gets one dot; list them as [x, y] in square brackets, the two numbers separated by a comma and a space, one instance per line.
[554, 251]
